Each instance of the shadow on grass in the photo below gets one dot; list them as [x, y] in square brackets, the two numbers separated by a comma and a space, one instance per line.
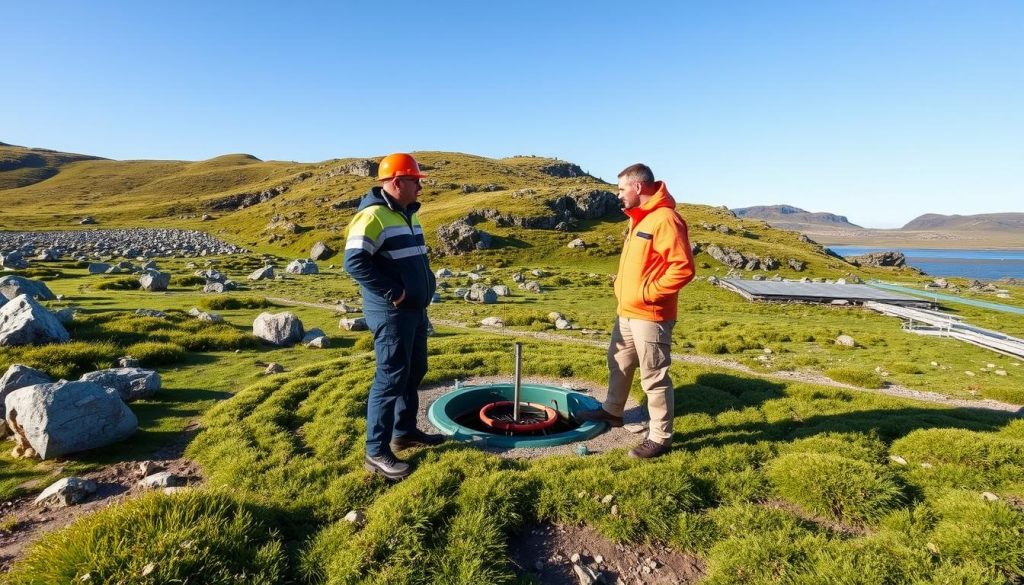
[714, 394]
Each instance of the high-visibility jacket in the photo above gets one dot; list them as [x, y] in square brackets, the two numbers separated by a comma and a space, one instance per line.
[386, 254]
[656, 260]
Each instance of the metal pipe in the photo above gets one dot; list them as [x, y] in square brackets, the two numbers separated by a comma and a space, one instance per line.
[515, 395]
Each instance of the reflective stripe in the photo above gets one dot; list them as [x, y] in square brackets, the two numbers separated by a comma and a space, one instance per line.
[361, 243]
[405, 252]
[403, 229]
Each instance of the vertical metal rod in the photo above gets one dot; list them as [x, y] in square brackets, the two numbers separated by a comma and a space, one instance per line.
[515, 395]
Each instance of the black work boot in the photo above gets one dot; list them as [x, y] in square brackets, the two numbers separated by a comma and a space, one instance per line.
[388, 466]
[599, 415]
[649, 449]
[416, 438]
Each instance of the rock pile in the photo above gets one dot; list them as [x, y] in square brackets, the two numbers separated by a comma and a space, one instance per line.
[125, 243]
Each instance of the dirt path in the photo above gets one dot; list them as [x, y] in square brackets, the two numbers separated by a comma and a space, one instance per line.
[786, 376]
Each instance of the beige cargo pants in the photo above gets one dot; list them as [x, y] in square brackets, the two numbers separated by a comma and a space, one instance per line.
[647, 345]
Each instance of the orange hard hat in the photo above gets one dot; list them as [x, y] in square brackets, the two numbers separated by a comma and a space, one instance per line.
[398, 164]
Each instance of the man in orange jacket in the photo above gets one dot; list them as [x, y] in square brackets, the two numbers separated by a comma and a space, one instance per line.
[656, 262]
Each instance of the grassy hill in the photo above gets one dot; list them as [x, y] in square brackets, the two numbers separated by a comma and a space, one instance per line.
[986, 221]
[21, 166]
[283, 208]
[793, 218]
[789, 465]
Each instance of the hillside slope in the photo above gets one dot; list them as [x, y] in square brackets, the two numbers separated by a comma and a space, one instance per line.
[530, 207]
[985, 221]
[793, 218]
[20, 166]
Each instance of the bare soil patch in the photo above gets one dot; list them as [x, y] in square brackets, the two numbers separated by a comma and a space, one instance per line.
[115, 483]
[546, 551]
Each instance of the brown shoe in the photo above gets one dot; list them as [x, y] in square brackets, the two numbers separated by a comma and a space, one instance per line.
[649, 449]
[599, 415]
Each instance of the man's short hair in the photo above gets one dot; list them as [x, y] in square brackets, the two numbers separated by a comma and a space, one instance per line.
[638, 172]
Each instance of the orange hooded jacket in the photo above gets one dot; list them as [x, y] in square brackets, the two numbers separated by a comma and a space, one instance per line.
[656, 260]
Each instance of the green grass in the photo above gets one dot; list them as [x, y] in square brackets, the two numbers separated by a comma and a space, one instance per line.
[771, 482]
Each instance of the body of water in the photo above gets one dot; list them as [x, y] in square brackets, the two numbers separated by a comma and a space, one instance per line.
[979, 264]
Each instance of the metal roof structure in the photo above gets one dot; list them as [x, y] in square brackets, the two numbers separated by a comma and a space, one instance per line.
[818, 292]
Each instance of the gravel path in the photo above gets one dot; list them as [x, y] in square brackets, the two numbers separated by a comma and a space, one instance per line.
[786, 376]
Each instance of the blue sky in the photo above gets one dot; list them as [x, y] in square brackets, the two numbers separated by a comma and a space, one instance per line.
[876, 110]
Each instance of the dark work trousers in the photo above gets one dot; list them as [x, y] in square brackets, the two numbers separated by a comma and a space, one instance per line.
[400, 342]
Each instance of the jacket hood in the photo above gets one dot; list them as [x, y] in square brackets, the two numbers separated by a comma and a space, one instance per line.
[661, 198]
[377, 196]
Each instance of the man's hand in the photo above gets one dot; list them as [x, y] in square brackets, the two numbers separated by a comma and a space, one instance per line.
[399, 300]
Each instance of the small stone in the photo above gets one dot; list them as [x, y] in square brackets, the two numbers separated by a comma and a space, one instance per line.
[161, 480]
[273, 368]
[148, 468]
[990, 366]
[767, 350]
[927, 466]
[599, 559]
[989, 496]
[635, 427]
[608, 499]
[935, 364]
[581, 494]
[897, 459]
[969, 373]
[1000, 372]
[149, 568]
[575, 558]
[615, 510]
[356, 517]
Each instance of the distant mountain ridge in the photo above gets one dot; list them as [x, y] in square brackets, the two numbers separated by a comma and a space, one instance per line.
[790, 217]
[983, 221]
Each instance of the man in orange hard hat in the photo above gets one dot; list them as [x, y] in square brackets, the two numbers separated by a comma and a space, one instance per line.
[656, 262]
[385, 253]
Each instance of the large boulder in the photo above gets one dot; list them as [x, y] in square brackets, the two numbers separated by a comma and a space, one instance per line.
[17, 376]
[13, 261]
[357, 324]
[98, 267]
[154, 281]
[320, 251]
[12, 286]
[279, 329]
[265, 273]
[302, 266]
[130, 383]
[67, 417]
[880, 259]
[481, 294]
[23, 321]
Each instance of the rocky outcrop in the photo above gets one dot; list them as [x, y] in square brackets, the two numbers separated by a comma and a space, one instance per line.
[880, 259]
[50, 420]
[359, 168]
[23, 321]
[563, 170]
[13, 261]
[243, 200]
[460, 237]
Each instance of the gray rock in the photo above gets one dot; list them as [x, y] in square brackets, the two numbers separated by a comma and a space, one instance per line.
[265, 273]
[24, 321]
[577, 244]
[154, 281]
[501, 290]
[481, 294]
[320, 251]
[492, 322]
[280, 329]
[66, 492]
[151, 313]
[13, 261]
[127, 362]
[531, 286]
[357, 324]
[443, 273]
[162, 479]
[518, 278]
[796, 264]
[130, 383]
[214, 287]
[12, 286]
[66, 417]
[212, 275]
[459, 237]
[302, 266]
[846, 341]
[17, 376]
[273, 368]
[563, 324]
